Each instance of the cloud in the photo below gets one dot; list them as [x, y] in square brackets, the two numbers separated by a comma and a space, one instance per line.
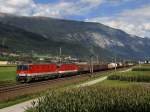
[116, 2]
[142, 11]
[67, 8]
[135, 21]
[59, 9]
[19, 7]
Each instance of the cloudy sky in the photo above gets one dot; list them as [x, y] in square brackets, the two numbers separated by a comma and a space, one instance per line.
[132, 16]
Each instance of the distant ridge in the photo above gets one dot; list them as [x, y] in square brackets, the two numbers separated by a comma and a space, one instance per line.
[46, 35]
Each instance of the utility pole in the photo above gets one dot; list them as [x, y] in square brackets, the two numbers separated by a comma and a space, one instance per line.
[91, 65]
[60, 51]
[3, 42]
[115, 63]
[139, 63]
[97, 57]
[2, 45]
[32, 53]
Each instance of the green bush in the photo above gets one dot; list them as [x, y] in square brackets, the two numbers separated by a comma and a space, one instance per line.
[96, 99]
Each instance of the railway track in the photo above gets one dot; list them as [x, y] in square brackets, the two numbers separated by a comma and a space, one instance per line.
[6, 84]
[19, 86]
[15, 87]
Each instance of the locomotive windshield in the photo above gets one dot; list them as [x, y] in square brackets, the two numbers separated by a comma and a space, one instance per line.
[22, 67]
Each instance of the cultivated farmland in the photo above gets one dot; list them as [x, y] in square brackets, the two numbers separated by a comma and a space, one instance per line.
[96, 99]
[138, 74]
[116, 95]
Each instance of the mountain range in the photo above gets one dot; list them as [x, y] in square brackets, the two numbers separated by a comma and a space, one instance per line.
[45, 35]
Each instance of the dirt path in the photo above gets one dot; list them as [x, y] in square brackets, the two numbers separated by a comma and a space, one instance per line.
[19, 107]
[130, 69]
[92, 82]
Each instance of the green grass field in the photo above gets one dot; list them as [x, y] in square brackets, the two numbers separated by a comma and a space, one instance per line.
[115, 83]
[7, 74]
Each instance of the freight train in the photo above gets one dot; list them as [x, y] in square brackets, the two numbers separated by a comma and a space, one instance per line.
[30, 72]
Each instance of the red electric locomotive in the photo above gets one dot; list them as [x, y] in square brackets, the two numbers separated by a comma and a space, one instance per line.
[68, 69]
[28, 72]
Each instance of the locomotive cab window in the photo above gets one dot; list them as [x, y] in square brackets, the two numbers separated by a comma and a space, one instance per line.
[22, 67]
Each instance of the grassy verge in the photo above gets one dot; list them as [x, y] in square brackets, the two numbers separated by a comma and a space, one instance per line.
[115, 83]
[16, 100]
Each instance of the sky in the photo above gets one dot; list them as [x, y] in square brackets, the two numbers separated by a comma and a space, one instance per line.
[132, 16]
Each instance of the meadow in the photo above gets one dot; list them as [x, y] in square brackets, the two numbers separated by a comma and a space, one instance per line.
[7, 74]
